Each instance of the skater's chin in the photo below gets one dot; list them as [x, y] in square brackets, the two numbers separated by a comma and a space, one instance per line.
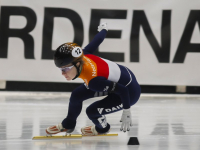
[68, 79]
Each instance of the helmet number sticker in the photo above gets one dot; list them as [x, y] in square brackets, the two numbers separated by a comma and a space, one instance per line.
[76, 52]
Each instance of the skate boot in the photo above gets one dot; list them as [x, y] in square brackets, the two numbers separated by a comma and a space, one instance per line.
[57, 129]
[90, 131]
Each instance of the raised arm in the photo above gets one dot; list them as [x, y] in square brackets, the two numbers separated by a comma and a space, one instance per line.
[98, 39]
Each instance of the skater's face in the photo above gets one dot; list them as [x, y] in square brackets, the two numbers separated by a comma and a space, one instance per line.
[69, 71]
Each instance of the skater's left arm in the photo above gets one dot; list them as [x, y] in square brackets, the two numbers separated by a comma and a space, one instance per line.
[101, 84]
[97, 40]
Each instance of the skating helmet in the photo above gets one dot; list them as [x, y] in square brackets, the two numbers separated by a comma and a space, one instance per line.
[68, 53]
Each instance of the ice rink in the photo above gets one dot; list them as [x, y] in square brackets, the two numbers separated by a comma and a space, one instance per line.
[161, 122]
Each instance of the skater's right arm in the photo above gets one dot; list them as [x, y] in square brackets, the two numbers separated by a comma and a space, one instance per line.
[74, 110]
[75, 106]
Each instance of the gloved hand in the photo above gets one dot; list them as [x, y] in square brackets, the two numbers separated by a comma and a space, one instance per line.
[126, 120]
[102, 26]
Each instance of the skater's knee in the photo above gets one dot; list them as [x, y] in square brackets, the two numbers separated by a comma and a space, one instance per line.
[134, 101]
[91, 112]
[88, 111]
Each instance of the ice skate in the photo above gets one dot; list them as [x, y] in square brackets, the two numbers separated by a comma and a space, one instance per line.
[90, 131]
[52, 130]
[86, 131]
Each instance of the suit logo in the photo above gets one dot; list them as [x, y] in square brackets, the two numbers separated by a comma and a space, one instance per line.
[100, 110]
[106, 88]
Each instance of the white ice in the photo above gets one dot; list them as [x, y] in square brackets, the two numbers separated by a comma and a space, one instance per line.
[161, 122]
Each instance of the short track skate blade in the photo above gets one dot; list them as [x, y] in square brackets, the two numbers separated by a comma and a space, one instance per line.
[73, 136]
[102, 135]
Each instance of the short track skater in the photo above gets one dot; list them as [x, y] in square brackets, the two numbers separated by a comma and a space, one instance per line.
[101, 77]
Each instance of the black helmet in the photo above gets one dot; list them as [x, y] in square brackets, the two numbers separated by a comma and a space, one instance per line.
[67, 53]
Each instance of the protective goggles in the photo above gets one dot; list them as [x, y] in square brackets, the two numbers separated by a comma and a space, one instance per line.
[65, 69]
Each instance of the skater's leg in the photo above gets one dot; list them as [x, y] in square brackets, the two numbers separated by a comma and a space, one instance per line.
[110, 104]
[97, 111]
[75, 106]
